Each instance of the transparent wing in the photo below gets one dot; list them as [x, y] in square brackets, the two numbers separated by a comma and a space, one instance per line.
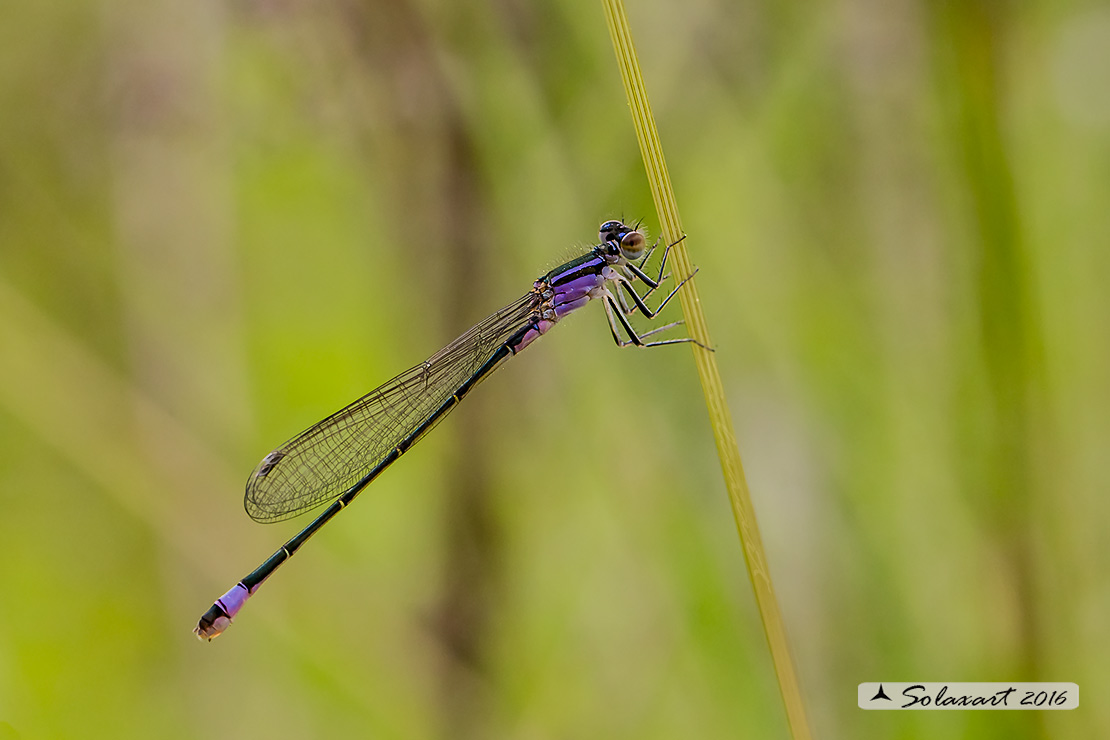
[329, 457]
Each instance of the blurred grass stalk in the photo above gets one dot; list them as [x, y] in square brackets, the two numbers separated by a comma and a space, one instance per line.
[706, 362]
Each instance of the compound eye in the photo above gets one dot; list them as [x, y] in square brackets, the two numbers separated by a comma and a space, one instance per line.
[632, 245]
[610, 230]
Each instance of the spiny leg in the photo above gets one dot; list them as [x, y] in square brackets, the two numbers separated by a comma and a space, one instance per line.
[638, 269]
[639, 301]
[625, 308]
[651, 250]
[652, 284]
[658, 329]
[612, 311]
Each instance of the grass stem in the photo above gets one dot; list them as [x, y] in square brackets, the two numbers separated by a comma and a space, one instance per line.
[719, 417]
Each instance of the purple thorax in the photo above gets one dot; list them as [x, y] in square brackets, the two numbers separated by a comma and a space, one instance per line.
[572, 286]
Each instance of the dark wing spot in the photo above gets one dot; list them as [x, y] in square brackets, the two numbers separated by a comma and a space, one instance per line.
[269, 462]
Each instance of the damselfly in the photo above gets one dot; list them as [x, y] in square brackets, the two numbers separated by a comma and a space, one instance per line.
[341, 455]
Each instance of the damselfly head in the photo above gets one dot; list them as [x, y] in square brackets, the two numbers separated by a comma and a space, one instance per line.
[620, 239]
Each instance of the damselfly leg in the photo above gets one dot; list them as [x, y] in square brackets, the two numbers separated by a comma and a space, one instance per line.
[638, 270]
[616, 313]
[613, 313]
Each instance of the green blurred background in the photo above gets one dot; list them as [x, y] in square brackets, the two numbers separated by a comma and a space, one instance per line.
[220, 222]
